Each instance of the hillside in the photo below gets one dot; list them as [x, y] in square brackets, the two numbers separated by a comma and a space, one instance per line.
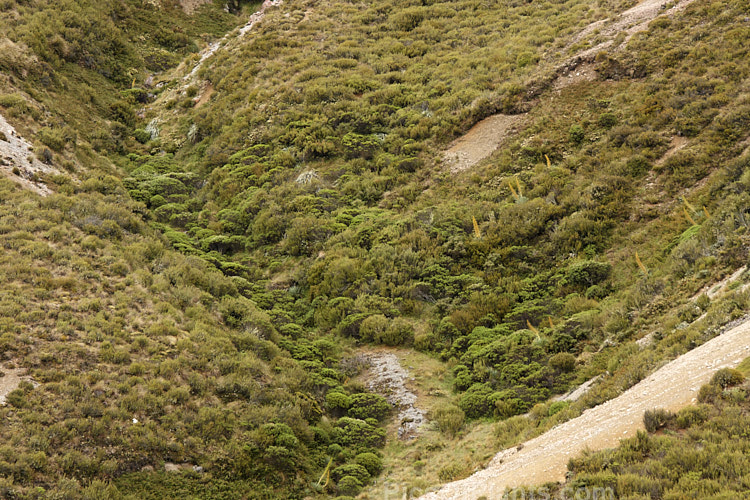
[221, 210]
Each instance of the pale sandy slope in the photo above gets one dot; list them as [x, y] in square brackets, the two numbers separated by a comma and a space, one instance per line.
[545, 458]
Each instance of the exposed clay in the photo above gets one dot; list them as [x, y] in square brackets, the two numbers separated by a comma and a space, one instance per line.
[17, 160]
[544, 459]
[388, 378]
[480, 142]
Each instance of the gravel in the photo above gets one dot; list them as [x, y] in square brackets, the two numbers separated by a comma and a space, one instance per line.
[388, 378]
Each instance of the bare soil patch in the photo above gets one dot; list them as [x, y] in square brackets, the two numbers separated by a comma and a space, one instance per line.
[544, 459]
[677, 144]
[10, 380]
[480, 142]
[205, 95]
[18, 162]
[189, 6]
[584, 72]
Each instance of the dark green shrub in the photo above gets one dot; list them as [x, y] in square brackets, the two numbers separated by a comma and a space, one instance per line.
[351, 432]
[656, 419]
[354, 470]
[364, 406]
[478, 401]
[563, 361]
[576, 134]
[586, 273]
[371, 462]
[607, 120]
[349, 485]
[727, 377]
[338, 402]
[557, 407]
[141, 135]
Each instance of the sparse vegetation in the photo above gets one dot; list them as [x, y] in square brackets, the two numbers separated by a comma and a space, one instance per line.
[681, 461]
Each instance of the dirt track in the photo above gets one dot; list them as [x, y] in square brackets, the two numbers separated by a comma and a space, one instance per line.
[545, 458]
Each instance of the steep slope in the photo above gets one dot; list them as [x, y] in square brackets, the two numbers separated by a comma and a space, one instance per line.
[227, 230]
[485, 137]
[545, 458]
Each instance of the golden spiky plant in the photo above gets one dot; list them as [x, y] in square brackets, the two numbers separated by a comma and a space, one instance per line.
[532, 327]
[517, 191]
[689, 218]
[513, 191]
[549, 163]
[688, 205]
[477, 232]
[640, 264]
[326, 474]
[705, 211]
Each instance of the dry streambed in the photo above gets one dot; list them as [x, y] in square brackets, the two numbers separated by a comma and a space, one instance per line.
[388, 378]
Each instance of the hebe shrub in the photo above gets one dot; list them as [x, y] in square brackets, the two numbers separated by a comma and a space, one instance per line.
[656, 419]
[727, 377]
[365, 406]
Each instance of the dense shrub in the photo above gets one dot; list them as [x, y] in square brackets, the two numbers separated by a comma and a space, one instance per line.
[364, 406]
[655, 419]
[727, 377]
[563, 361]
[449, 419]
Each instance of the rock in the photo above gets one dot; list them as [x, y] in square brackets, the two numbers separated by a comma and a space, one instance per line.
[388, 378]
